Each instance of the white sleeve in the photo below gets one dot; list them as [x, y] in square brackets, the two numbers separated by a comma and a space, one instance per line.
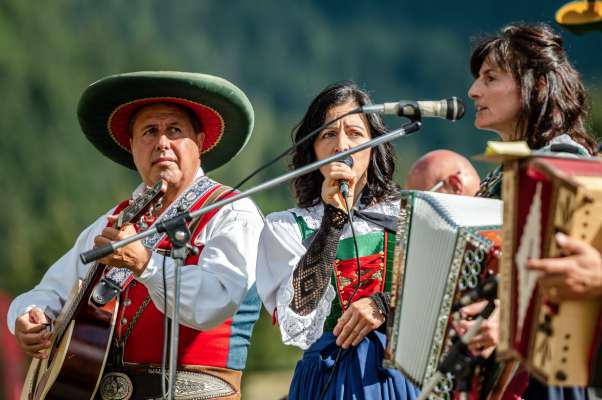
[280, 249]
[213, 289]
[59, 280]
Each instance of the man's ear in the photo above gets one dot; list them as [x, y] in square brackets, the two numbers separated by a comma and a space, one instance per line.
[200, 138]
[456, 184]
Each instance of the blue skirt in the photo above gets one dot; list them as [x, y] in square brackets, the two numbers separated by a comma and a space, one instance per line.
[358, 374]
[537, 390]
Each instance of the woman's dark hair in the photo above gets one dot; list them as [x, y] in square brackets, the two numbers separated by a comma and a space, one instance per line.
[307, 188]
[553, 98]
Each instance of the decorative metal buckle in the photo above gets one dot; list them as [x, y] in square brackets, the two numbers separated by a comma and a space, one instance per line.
[116, 386]
[198, 385]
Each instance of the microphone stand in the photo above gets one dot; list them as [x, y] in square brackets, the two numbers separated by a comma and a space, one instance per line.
[179, 234]
[456, 362]
[104, 250]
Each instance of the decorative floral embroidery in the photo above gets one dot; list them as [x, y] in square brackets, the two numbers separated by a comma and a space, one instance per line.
[372, 277]
[120, 276]
[182, 203]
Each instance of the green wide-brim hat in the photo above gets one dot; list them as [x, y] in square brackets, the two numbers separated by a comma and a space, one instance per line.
[225, 113]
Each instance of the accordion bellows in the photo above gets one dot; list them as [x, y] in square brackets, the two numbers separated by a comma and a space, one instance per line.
[440, 250]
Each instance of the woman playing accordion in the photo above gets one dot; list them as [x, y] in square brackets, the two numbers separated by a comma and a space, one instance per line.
[526, 89]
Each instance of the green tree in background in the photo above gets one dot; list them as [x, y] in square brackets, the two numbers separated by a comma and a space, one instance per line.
[280, 53]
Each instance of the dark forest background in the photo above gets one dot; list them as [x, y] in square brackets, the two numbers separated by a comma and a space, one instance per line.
[281, 53]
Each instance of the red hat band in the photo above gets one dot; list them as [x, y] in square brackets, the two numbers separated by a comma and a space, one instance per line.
[119, 120]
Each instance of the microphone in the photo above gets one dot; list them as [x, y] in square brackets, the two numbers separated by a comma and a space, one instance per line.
[452, 108]
[486, 290]
[344, 185]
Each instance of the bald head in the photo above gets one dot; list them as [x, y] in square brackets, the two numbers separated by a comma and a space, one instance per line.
[455, 174]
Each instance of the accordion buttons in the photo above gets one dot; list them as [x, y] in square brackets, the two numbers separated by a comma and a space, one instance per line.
[381, 265]
[561, 375]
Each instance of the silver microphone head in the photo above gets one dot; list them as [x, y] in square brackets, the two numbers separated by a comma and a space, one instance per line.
[455, 110]
[451, 109]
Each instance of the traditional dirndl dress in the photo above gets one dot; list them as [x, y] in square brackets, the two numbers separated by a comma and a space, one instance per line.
[326, 370]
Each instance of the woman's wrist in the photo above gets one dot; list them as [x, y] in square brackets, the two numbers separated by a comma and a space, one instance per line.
[382, 302]
[333, 217]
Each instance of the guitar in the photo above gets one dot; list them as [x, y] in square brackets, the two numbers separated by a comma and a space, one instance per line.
[83, 330]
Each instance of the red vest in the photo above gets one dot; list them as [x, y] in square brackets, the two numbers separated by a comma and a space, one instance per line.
[145, 342]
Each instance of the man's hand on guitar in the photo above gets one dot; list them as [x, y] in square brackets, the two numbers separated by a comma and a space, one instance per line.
[32, 333]
[134, 256]
[577, 275]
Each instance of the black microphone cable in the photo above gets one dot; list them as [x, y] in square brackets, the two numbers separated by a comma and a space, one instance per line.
[349, 301]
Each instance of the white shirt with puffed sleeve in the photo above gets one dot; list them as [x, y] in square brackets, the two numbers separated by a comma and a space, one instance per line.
[209, 294]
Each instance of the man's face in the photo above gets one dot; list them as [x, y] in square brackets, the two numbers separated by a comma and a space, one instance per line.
[165, 145]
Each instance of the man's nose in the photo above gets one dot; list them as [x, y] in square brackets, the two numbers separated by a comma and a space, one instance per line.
[162, 142]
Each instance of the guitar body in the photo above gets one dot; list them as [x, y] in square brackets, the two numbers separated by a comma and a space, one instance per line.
[83, 331]
[76, 360]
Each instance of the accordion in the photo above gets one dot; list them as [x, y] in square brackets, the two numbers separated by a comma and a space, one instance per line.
[558, 342]
[445, 246]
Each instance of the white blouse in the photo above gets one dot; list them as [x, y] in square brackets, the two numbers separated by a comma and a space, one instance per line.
[280, 249]
[211, 291]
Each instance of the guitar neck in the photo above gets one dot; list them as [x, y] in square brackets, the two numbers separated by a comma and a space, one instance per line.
[132, 213]
[140, 204]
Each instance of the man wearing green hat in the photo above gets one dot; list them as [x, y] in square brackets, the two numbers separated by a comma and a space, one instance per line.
[166, 125]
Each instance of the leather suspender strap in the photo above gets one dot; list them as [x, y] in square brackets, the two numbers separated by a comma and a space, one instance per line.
[219, 193]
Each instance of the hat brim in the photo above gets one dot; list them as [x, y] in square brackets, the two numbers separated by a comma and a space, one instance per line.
[226, 115]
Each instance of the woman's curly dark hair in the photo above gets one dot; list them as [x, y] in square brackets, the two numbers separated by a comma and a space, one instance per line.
[553, 98]
[380, 185]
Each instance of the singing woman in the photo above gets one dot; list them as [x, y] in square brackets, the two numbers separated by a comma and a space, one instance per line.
[307, 263]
